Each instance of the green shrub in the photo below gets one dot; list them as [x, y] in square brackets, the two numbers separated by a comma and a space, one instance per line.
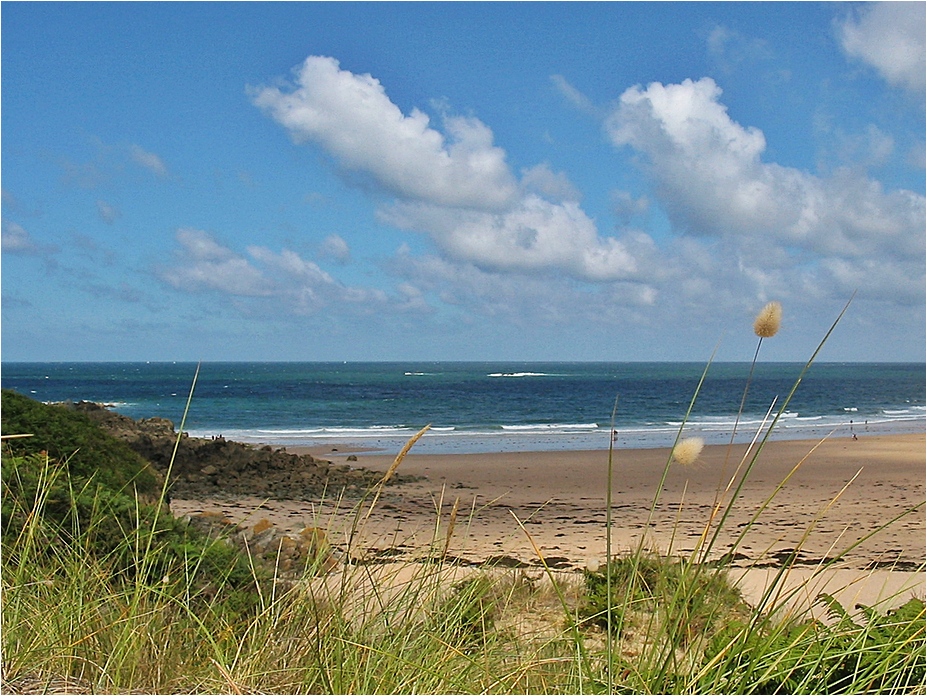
[886, 653]
[467, 615]
[132, 540]
[71, 485]
[691, 598]
[73, 438]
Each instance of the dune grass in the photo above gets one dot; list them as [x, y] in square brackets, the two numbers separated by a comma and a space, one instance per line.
[72, 621]
[104, 591]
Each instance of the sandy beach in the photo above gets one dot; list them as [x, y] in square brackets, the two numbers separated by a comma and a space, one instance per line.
[836, 494]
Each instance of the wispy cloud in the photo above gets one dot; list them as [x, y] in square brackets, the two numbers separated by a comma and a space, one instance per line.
[108, 213]
[203, 264]
[85, 175]
[574, 96]
[16, 240]
[730, 48]
[334, 247]
[554, 186]
[110, 162]
[519, 300]
[148, 160]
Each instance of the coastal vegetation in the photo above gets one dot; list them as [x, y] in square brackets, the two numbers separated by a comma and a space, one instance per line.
[105, 591]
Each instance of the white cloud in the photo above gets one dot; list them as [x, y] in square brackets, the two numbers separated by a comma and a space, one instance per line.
[878, 145]
[334, 247]
[16, 240]
[889, 36]
[524, 301]
[353, 119]
[574, 96]
[888, 281]
[204, 264]
[456, 188]
[917, 156]
[108, 213]
[757, 230]
[542, 180]
[730, 48]
[710, 177]
[148, 160]
[625, 206]
[536, 235]
[870, 147]
[302, 286]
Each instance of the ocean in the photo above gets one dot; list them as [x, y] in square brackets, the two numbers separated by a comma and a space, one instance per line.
[489, 407]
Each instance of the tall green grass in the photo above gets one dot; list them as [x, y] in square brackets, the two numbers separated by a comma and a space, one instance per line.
[104, 591]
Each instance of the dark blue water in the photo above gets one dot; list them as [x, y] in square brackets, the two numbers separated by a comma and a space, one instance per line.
[488, 406]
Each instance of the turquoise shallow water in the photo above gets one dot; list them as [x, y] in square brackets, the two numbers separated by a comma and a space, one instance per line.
[479, 407]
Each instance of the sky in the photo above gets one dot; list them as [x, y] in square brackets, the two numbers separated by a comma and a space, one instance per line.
[461, 181]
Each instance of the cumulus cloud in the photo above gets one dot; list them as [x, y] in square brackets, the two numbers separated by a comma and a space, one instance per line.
[710, 176]
[742, 229]
[353, 119]
[454, 186]
[534, 235]
[203, 264]
[889, 36]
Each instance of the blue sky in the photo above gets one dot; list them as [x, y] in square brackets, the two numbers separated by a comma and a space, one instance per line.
[457, 181]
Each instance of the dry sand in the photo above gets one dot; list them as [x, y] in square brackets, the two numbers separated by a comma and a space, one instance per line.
[558, 498]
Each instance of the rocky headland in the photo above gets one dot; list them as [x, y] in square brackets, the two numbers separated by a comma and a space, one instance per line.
[216, 467]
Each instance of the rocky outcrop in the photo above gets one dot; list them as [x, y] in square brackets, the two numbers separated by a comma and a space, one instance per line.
[221, 467]
[287, 555]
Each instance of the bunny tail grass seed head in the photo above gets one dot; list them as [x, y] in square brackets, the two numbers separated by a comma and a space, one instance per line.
[766, 324]
[686, 452]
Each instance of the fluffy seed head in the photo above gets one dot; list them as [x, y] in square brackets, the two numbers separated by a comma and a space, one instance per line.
[766, 324]
[687, 451]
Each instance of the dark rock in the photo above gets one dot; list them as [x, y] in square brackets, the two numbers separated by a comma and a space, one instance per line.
[201, 465]
[505, 561]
